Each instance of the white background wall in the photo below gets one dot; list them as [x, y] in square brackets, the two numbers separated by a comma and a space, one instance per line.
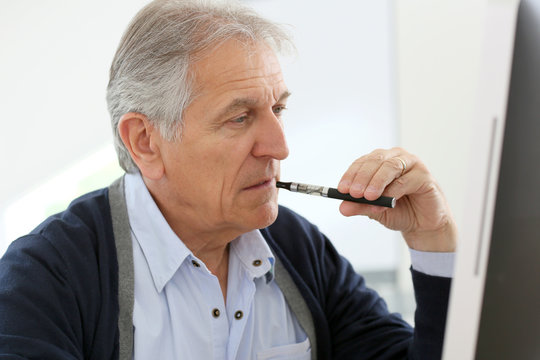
[53, 74]
[439, 45]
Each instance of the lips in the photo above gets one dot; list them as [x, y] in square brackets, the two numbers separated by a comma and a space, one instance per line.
[261, 184]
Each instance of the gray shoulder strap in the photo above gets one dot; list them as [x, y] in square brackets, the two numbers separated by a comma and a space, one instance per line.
[296, 303]
[124, 251]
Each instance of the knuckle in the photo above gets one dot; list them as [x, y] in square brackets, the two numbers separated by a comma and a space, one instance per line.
[361, 159]
[376, 156]
[394, 164]
[360, 178]
[358, 161]
[422, 168]
[399, 182]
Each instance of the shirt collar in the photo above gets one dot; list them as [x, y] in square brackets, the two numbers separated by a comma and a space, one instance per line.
[255, 255]
[162, 248]
[165, 252]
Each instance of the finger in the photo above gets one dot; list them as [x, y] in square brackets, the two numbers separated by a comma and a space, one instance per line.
[347, 178]
[415, 181]
[390, 170]
[369, 166]
[348, 208]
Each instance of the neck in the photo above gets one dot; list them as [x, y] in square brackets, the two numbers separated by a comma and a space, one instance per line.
[214, 254]
[207, 243]
[216, 258]
[217, 261]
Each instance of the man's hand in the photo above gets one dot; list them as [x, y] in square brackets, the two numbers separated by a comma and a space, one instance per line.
[421, 213]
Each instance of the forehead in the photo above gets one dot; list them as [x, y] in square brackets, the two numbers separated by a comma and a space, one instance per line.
[238, 66]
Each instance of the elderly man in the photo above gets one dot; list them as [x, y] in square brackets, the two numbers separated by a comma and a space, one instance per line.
[169, 261]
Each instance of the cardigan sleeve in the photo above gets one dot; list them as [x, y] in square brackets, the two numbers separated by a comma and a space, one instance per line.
[362, 326]
[38, 309]
[352, 321]
[58, 287]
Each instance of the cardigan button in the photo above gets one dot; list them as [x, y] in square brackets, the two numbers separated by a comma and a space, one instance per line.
[257, 262]
[238, 315]
[216, 313]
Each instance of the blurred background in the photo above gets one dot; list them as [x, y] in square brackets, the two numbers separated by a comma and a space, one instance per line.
[368, 74]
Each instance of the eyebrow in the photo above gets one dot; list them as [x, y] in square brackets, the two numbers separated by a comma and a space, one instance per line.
[284, 96]
[241, 103]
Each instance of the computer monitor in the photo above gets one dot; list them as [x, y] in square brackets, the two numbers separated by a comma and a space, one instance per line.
[494, 308]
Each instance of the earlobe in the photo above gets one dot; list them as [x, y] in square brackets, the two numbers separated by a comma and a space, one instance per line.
[142, 141]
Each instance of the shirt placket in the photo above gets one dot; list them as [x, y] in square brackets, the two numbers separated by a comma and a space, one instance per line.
[239, 309]
[214, 308]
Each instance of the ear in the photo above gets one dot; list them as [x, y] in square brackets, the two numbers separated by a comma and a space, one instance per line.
[142, 141]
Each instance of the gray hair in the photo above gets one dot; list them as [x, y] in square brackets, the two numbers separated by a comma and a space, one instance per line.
[151, 74]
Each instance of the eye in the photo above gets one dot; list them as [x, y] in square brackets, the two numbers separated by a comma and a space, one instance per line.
[239, 120]
[278, 110]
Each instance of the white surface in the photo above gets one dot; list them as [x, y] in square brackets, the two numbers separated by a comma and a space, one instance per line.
[53, 75]
[468, 286]
[438, 47]
[453, 68]
[438, 52]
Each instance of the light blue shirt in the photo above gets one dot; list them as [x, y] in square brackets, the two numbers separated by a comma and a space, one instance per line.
[179, 310]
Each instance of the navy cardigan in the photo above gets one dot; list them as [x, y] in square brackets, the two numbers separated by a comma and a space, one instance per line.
[59, 292]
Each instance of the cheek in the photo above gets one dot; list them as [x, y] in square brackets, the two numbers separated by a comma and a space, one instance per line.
[215, 166]
[228, 158]
[213, 171]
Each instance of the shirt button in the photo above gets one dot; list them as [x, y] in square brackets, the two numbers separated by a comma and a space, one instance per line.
[196, 264]
[215, 313]
[257, 262]
[238, 315]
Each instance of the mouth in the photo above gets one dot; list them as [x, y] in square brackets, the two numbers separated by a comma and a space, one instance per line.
[265, 183]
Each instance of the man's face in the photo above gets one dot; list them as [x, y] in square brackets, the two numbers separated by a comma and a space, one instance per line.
[225, 166]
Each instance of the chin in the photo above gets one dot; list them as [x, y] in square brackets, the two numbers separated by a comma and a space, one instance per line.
[265, 215]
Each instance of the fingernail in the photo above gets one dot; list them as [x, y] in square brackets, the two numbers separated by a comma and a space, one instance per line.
[371, 190]
[357, 188]
[344, 184]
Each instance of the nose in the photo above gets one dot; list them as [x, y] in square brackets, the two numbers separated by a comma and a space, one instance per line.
[270, 138]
